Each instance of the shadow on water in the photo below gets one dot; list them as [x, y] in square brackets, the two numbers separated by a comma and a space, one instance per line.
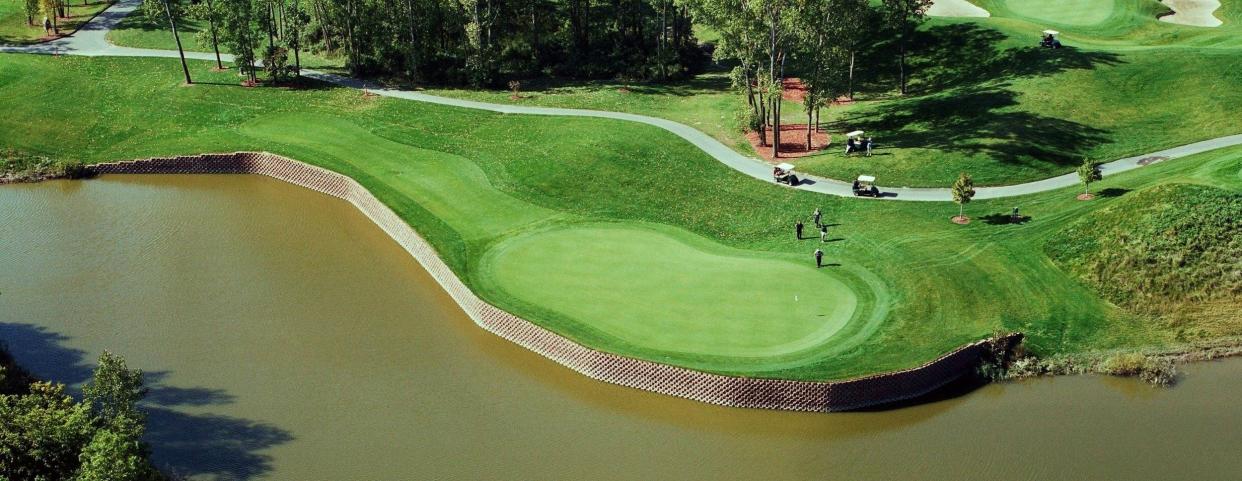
[185, 444]
[956, 389]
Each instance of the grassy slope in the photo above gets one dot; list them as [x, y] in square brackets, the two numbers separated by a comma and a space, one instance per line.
[1011, 113]
[923, 285]
[1171, 250]
[14, 30]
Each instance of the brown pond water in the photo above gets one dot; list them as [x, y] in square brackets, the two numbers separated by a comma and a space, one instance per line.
[287, 338]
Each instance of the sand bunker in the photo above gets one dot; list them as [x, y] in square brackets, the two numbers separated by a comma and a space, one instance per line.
[1196, 13]
[957, 8]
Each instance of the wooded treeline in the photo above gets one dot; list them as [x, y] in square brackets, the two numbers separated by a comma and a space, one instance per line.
[817, 41]
[480, 42]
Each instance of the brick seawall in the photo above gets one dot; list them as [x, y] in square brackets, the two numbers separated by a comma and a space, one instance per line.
[636, 373]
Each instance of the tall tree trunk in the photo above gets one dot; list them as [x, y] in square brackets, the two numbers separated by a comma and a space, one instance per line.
[902, 68]
[172, 24]
[215, 40]
[413, 55]
[809, 114]
[851, 81]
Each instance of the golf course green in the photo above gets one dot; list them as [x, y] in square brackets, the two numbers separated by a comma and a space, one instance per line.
[1066, 12]
[695, 299]
[625, 238]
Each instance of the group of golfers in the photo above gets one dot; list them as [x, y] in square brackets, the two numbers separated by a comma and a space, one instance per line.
[818, 217]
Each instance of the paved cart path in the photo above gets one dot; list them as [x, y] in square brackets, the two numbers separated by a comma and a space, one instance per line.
[91, 40]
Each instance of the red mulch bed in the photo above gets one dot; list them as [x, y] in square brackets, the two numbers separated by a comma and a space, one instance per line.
[795, 91]
[961, 220]
[793, 142]
[1086, 196]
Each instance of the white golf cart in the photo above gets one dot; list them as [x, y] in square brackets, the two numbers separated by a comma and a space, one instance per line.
[784, 174]
[1050, 39]
[864, 186]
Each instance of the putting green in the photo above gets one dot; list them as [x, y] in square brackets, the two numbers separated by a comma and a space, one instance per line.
[662, 289]
[1065, 12]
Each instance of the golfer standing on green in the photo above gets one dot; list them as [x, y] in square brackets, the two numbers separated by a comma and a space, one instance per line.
[823, 233]
[817, 215]
[819, 258]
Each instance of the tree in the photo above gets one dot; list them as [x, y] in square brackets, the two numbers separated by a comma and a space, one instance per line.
[51, 9]
[1088, 172]
[42, 433]
[963, 190]
[171, 13]
[206, 10]
[114, 390]
[905, 15]
[116, 453]
[31, 8]
[239, 33]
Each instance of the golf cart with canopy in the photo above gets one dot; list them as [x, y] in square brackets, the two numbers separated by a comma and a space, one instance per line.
[784, 174]
[1050, 39]
[864, 186]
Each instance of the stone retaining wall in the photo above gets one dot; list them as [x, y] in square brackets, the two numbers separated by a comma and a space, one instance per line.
[661, 378]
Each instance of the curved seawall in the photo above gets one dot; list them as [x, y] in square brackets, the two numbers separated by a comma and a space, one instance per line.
[651, 376]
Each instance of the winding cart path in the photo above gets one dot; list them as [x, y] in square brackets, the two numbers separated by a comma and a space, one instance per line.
[91, 40]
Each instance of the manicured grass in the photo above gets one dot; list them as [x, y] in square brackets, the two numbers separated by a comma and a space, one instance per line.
[985, 100]
[15, 30]
[473, 182]
[1064, 12]
[652, 288]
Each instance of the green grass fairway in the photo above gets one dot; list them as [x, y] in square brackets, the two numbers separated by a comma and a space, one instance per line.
[476, 183]
[15, 30]
[1064, 12]
[694, 299]
[985, 100]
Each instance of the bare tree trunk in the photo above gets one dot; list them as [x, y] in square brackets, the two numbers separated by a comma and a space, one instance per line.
[215, 41]
[172, 24]
[851, 81]
[413, 58]
[809, 114]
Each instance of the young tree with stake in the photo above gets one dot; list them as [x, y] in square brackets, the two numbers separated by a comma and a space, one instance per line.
[963, 190]
[1088, 172]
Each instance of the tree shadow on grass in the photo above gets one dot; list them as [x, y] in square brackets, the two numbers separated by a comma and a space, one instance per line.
[1005, 219]
[964, 101]
[968, 54]
[186, 444]
[981, 121]
[1112, 192]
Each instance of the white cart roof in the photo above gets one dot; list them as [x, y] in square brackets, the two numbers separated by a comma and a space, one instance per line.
[855, 133]
[785, 166]
[1051, 32]
[866, 178]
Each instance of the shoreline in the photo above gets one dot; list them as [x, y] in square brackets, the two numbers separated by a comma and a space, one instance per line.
[734, 391]
[871, 390]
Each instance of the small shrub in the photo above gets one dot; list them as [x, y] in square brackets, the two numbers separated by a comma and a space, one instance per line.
[747, 120]
[276, 63]
[1158, 371]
